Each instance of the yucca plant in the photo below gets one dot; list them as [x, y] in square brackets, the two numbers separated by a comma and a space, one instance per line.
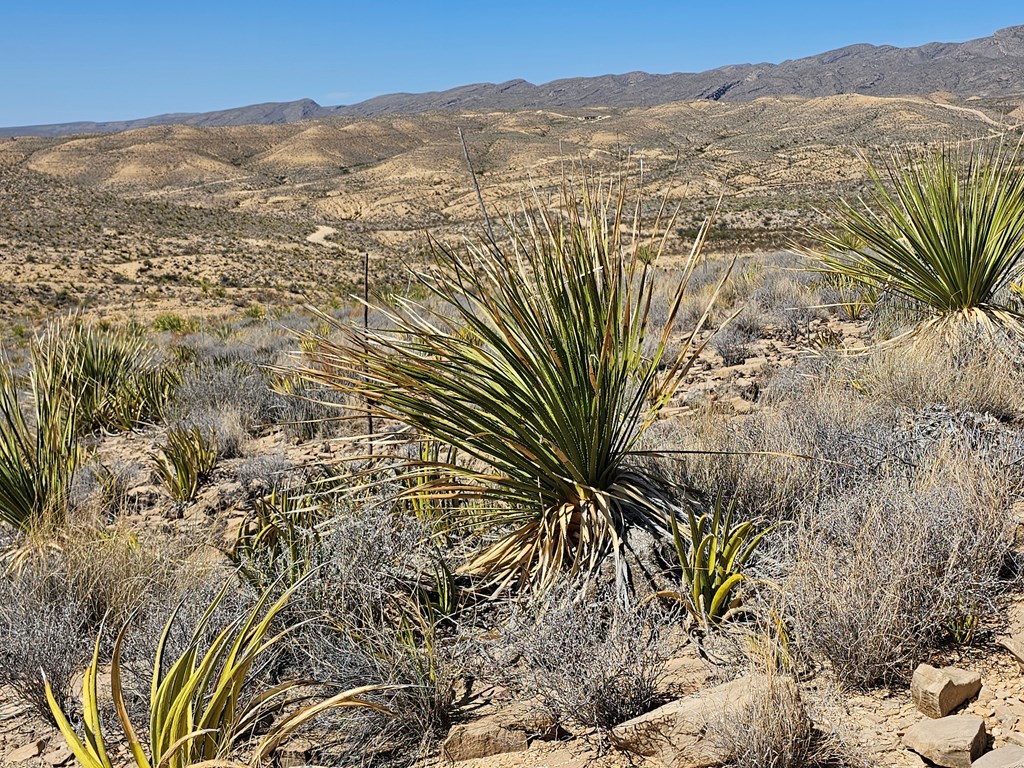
[538, 360]
[39, 452]
[113, 373]
[943, 229]
[280, 539]
[712, 558]
[196, 706]
[185, 461]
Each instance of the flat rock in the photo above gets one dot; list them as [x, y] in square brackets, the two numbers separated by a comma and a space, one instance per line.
[952, 742]
[1010, 756]
[58, 756]
[469, 741]
[26, 752]
[937, 692]
[676, 734]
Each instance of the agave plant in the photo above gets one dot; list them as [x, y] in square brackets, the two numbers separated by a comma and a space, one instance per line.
[944, 230]
[539, 361]
[196, 706]
[712, 560]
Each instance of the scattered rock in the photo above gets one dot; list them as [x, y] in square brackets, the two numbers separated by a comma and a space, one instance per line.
[951, 742]
[483, 738]
[676, 734]
[937, 692]
[295, 754]
[59, 756]
[26, 752]
[1015, 645]
[1004, 757]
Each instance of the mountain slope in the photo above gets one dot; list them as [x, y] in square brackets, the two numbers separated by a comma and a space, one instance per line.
[989, 66]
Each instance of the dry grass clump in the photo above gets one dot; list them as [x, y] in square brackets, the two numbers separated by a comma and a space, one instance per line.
[883, 570]
[584, 660]
[61, 591]
[965, 376]
[771, 729]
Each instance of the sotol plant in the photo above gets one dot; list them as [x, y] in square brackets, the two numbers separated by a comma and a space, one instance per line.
[944, 230]
[538, 360]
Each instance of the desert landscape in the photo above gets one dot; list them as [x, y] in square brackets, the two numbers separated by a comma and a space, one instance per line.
[670, 435]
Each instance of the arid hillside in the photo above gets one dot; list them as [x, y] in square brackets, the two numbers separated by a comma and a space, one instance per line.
[186, 219]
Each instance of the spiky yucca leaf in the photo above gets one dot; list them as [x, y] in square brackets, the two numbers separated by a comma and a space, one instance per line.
[943, 229]
[196, 711]
[539, 361]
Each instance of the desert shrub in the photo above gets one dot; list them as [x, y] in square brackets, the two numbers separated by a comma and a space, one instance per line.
[542, 382]
[943, 229]
[814, 430]
[40, 630]
[369, 612]
[60, 593]
[789, 299]
[584, 660]
[306, 410]
[965, 376]
[771, 729]
[233, 399]
[883, 570]
[734, 344]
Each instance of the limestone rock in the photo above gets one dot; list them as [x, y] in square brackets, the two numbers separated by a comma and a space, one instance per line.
[937, 692]
[483, 738]
[26, 752]
[58, 756]
[676, 734]
[952, 742]
[1005, 757]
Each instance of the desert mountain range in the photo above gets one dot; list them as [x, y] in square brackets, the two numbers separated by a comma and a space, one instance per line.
[987, 67]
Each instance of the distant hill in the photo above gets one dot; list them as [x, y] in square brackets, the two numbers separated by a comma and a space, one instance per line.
[990, 66]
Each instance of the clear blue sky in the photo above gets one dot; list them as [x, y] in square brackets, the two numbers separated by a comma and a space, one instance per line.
[66, 60]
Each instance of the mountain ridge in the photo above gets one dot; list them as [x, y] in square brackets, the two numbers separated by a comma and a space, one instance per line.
[989, 66]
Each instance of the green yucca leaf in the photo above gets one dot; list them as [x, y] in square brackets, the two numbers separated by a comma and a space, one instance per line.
[944, 230]
[712, 561]
[196, 716]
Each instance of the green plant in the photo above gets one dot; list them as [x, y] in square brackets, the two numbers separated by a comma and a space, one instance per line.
[113, 373]
[172, 323]
[188, 457]
[712, 561]
[197, 709]
[946, 231]
[539, 362]
[38, 455]
[279, 540]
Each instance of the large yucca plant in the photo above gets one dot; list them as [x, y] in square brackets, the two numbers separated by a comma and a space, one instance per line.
[539, 359]
[944, 229]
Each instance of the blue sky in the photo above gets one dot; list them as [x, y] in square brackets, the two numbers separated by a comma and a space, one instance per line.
[66, 60]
